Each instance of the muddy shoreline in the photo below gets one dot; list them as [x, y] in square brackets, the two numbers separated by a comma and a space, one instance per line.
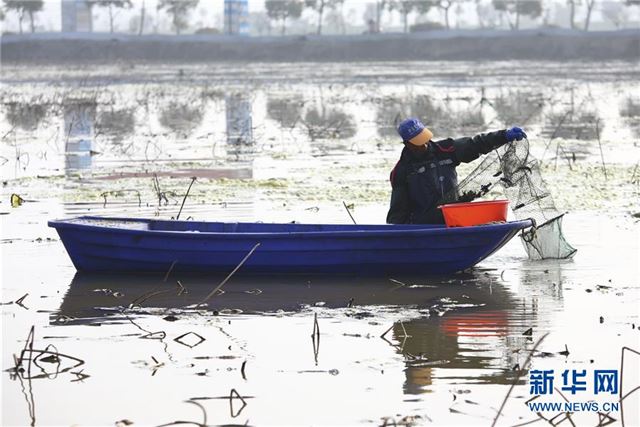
[457, 45]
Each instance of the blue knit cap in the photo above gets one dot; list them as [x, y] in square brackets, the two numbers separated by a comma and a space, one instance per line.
[409, 128]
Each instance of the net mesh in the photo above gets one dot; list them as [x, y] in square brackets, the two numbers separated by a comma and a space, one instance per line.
[512, 169]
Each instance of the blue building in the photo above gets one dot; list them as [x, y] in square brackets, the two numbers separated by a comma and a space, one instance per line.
[236, 17]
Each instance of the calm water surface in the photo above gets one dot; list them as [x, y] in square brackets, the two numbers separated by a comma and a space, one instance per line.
[271, 146]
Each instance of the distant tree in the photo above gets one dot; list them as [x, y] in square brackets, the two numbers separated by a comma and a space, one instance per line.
[179, 11]
[587, 21]
[572, 12]
[460, 11]
[338, 9]
[280, 10]
[615, 12]
[143, 14]
[16, 6]
[260, 22]
[487, 15]
[319, 7]
[90, 4]
[110, 4]
[30, 7]
[381, 5]
[444, 6]
[405, 8]
[479, 13]
[423, 7]
[531, 8]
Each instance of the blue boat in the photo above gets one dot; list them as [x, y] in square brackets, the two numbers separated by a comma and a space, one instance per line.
[149, 245]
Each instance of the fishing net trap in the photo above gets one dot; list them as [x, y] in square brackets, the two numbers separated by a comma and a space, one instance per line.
[517, 172]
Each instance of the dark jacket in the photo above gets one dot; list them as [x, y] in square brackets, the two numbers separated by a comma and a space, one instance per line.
[421, 180]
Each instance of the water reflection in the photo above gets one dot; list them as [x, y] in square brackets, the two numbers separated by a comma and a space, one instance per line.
[79, 120]
[517, 107]
[467, 121]
[162, 123]
[448, 119]
[26, 116]
[286, 111]
[289, 293]
[239, 121]
[477, 330]
[474, 345]
[469, 334]
[467, 329]
[116, 124]
[181, 118]
[328, 123]
[572, 124]
[394, 109]
[578, 120]
[630, 113]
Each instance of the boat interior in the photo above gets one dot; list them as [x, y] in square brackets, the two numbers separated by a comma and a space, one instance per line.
[234, 227]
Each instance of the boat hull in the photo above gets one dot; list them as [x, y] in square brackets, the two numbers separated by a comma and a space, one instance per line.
[101, 244]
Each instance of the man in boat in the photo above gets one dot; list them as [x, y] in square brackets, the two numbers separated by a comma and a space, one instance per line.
[426, 171]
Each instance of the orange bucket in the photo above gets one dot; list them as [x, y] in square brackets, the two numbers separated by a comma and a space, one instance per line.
[474, 213]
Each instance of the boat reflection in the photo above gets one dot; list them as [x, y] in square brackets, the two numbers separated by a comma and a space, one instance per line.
[465, 328]
[258, 294]
[477, 346]
[486, 341]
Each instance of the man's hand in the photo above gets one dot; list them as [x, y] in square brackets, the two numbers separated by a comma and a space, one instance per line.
[515, 134]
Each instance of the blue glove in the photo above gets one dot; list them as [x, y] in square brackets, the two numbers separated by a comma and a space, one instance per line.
[515, 134]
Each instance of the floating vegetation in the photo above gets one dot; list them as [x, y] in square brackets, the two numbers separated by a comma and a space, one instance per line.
[16, 200]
